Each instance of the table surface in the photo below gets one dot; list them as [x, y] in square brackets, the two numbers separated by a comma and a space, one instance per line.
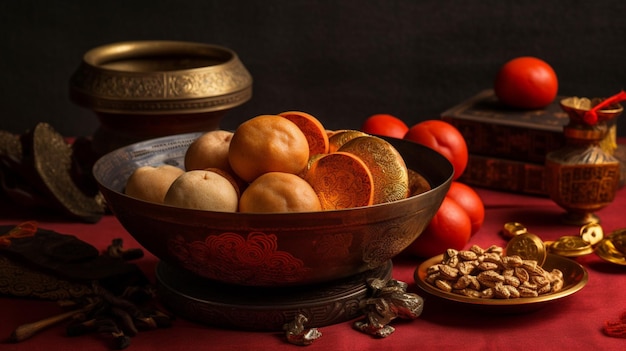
[573, 323]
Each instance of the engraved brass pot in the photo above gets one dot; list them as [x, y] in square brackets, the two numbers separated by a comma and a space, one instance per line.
[270, 249]
[583, 176]
[146, 89]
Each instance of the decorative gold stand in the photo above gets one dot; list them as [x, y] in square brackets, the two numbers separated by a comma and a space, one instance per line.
[260, 308]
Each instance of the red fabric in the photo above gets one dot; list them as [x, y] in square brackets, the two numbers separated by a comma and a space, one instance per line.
[575, 323]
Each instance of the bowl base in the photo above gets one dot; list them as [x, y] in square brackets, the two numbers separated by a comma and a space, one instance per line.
[259, 308]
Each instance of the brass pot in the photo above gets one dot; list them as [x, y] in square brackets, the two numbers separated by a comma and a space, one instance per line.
[145, 89]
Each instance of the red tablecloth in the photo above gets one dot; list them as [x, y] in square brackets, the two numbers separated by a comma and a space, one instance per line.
[575, 323]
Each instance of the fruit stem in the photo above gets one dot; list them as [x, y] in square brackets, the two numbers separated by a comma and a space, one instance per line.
[591, 116]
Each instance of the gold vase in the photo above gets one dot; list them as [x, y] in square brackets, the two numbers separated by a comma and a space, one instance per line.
[583, 176]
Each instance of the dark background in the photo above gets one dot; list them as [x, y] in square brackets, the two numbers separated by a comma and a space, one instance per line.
[338, 60]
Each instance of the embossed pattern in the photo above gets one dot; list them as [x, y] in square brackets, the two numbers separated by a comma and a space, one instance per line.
[138, 84]
[230, 257]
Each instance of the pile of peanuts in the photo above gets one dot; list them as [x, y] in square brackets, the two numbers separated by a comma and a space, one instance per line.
[487, 273]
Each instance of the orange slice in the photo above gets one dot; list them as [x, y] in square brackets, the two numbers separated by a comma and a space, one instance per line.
[341, 180]
[391, 180]
[312, 128]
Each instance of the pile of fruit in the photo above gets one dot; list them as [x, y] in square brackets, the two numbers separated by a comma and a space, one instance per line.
[280, 163]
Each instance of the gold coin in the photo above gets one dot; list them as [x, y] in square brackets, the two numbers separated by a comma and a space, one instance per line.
[592, 233]
[340, 137]
[528, 246]
[571, 246]
[512, 229]
[618, 238]
[608, 252]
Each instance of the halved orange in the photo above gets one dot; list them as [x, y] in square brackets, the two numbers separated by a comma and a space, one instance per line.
[341, 180]
[312, 128]
[390, 174]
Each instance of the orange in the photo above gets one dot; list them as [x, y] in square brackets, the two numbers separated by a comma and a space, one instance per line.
[279, 192]
[341, 180]
[340, 137]
[312, 128]
[391, 180]
[267, 143]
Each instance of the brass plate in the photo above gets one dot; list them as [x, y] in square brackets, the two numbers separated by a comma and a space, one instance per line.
[574, 274]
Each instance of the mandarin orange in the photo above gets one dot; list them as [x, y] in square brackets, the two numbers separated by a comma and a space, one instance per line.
[267, 143]
[274, 192]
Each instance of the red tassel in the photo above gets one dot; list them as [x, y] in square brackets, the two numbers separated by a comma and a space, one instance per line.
[591, 116]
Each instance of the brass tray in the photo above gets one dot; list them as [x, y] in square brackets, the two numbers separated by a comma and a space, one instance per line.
[574, 274]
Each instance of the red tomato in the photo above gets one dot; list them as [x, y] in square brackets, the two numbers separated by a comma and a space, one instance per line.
[469, 200]
[450, 228]
[526, 82]
[444, 138]
[387, 125]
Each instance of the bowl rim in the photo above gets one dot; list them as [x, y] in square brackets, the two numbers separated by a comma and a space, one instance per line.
[214, 87]
[304, 214]
[99, 55]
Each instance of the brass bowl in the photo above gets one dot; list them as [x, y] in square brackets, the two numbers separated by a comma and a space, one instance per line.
[277, 249]
[574, 275]
[141, 90]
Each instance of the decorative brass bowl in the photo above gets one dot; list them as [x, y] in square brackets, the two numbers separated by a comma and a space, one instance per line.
[277, 249]
[141, 90]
